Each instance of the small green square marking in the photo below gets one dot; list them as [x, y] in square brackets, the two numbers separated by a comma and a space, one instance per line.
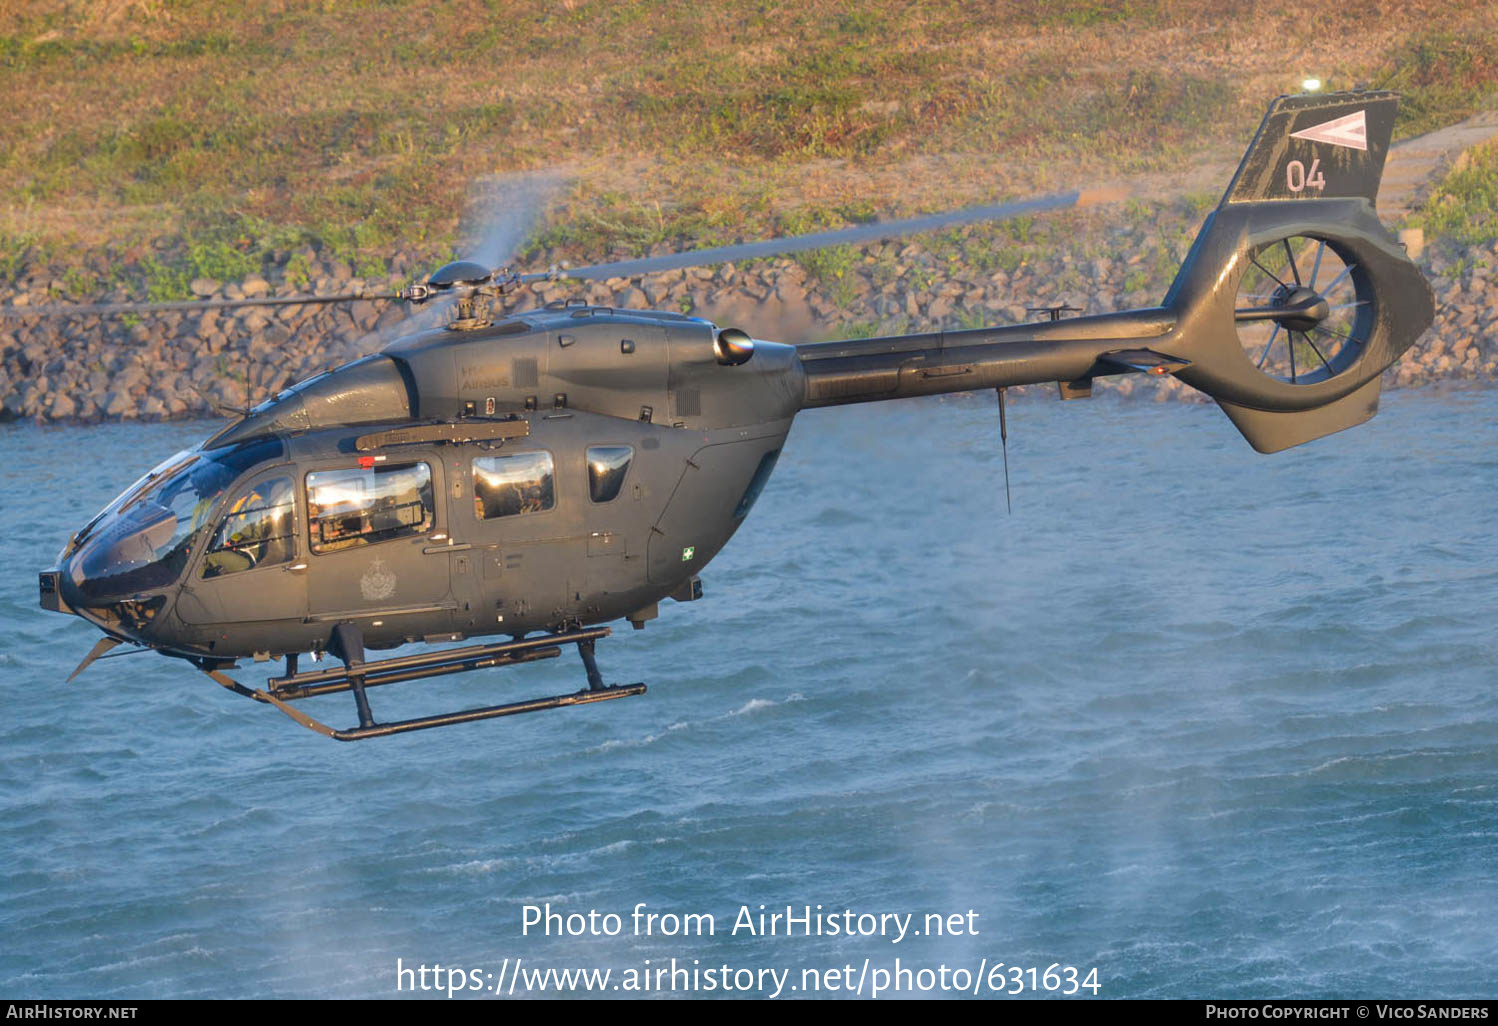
[687, 553]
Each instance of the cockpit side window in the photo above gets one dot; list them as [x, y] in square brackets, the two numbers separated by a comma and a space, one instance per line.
[364, 505]
[256, 529]
[145, 538]
[608, 466]
[504, 486]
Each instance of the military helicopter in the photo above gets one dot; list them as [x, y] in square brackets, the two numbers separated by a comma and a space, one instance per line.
[538, 476]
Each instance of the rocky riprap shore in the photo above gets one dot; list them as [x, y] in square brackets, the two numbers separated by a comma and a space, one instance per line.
[178, 365]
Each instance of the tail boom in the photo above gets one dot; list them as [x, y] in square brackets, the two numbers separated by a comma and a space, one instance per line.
[1311, 174]
[904, 366]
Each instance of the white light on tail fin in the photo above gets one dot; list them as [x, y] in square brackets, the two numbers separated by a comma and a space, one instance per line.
[1350, 131]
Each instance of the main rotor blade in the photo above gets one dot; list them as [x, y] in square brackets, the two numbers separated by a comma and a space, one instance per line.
[509, 206]
[864, 233]
[106, 309]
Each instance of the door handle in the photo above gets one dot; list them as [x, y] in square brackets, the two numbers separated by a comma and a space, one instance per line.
[296, 568]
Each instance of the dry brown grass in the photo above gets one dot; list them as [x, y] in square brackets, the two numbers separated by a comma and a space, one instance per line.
[361, 121]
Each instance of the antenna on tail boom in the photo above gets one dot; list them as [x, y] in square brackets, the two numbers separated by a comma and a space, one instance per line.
[1004, 445]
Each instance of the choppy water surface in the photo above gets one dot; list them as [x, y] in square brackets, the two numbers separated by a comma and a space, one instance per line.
[1215, 723]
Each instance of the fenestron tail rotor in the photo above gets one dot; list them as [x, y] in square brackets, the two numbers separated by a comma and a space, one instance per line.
[1295, 298]
[1304, 312]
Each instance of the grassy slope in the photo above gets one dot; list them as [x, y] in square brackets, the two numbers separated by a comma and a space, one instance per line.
[1464, 207]
[221, 131]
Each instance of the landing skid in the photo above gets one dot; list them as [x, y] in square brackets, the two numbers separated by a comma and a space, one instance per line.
[356, 675]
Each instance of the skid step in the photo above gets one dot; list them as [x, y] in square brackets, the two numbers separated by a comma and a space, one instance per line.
[356, 675]
[583, 697]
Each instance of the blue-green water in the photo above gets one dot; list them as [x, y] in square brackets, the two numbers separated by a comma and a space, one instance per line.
[1215, 723]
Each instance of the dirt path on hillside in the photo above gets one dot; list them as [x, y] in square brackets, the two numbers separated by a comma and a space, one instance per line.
[1415, 165]
[1413, 168]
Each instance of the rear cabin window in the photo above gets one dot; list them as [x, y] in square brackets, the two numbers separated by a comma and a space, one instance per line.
[256, 529]
[505, 486]
[608, 466]
[364, 505]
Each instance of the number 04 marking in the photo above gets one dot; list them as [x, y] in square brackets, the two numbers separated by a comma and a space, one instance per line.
[1298, 179]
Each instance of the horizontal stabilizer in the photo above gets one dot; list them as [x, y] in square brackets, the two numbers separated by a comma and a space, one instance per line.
[1144, 361]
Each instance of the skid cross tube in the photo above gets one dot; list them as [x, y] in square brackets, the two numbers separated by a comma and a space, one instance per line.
[292, 693]
[422, 664]
[358, 675]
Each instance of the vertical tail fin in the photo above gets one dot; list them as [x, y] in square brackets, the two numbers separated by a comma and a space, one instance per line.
[1317, 147]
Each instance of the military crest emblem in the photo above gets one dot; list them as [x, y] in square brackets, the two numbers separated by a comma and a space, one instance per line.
[378, 582]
